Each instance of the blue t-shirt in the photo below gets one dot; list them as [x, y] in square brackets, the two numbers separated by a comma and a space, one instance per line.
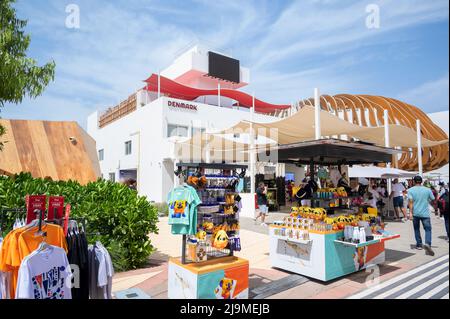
[179, 200]
[421, 197]
[192, 201]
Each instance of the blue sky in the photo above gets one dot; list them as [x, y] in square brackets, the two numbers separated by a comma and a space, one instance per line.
[289, 46]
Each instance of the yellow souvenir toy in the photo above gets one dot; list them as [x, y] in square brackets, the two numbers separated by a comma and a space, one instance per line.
[208, 226]
[220, 240]
[201, 234]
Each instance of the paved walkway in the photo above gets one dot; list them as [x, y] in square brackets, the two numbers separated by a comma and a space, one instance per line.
[400, 258]
[429, 281]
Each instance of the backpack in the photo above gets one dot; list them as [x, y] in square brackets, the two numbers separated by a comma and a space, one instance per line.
[443, 204]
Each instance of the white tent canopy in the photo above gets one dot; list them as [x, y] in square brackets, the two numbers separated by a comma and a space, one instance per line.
[300, 127]
[357, 171]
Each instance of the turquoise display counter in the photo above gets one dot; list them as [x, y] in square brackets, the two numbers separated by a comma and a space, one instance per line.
[224, 278]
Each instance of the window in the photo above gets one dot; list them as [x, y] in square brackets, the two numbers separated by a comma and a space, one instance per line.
[112, 177]
[101, 154]
[127, 147]
[177, 130]
[198, 130]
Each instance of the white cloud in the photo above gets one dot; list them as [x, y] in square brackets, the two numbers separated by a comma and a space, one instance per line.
[316, 27]
[120, 43]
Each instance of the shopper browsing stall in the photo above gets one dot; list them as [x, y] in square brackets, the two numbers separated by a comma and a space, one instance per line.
[419, 199]
[261, 194]
[372, 197]
[397, 193]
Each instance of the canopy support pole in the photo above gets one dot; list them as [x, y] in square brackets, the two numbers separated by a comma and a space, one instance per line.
[252, 146]
[419, 147]
[317, 114]
[387, 144]
[311, 176]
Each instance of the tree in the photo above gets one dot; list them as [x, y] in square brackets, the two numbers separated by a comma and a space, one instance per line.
[20, 76]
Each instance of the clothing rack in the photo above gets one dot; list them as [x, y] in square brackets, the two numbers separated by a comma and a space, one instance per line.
[19, 212]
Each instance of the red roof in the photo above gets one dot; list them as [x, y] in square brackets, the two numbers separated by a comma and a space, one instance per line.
[183, 92]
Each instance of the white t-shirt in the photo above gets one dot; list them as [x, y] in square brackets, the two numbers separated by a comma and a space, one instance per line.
[398, 189]
[45, 274]
[375, 194]
[381, 191]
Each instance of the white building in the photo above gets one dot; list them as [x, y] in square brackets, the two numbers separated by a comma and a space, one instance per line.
[135, 138]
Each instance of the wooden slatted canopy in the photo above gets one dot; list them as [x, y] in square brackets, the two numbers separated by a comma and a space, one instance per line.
[60, 150]
[368, 110]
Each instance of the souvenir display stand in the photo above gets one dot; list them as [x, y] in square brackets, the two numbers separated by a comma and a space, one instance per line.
[324, 255]
[207, 268]
[326, 241]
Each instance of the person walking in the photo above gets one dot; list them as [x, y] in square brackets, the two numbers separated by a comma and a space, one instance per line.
[397, 193]
[419, 199]
[444, 208]
[261, 196]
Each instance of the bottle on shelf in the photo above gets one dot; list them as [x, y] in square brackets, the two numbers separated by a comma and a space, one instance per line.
[355, 235]
[362, 235]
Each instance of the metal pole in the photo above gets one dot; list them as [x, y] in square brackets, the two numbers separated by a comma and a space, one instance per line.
[252, 145]
[419, 147]
[387, 144]
[317, 114]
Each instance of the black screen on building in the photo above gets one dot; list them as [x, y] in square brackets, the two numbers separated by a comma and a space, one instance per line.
[223, 67]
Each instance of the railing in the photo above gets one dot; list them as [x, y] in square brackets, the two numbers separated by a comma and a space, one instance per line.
[130, 105]
[112, 114]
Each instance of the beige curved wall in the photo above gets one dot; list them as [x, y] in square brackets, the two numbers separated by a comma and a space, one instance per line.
[368, 110]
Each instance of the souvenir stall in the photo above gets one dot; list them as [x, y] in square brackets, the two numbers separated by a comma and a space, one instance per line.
[333, 236]
[204, 210]
[38, 233]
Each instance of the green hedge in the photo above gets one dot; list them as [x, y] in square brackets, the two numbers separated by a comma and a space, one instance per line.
[115, 214]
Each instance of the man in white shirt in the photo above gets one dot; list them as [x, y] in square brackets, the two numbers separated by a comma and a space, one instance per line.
[398, 191]
[373, 197]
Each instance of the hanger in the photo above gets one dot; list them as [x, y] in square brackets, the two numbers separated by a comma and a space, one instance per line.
[35, 222]
[44, 245]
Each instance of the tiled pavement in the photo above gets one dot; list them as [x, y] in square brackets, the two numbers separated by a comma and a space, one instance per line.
[429, 281]
[400, 258]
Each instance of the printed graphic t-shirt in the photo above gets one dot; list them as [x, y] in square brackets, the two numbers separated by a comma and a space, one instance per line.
[45, 274]
[20, 242]
[190, 229]
[179, 200]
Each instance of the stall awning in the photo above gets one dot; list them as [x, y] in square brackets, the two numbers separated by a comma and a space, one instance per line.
[300, 127]
[332, 152]
[378, 172]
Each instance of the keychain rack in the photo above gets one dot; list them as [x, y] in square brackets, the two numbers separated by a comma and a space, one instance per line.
[182, 172]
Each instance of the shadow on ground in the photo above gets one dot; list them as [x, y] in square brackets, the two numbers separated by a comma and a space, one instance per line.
[396, 255]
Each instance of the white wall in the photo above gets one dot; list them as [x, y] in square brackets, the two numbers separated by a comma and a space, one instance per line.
[156, 167]
[299, 172]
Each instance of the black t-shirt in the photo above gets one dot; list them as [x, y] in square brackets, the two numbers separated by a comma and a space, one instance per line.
[261, 197]
[78, 255]
[443, 203]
